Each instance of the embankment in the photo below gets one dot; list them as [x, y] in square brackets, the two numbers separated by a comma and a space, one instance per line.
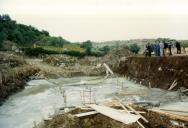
[158, 72]
[14, 72]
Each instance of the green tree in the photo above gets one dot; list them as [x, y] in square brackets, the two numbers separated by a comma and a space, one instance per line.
[134, 48]
[25, 35]
[105, 49]
[3, 37]
[86, 44]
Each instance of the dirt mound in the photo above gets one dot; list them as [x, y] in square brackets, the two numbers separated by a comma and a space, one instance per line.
[57, 60]
[8, 60]
[67, 66]
[159, 72]
[115, 56]
[14, 72]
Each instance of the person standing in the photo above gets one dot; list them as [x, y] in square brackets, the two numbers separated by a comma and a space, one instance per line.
[158, 49]
[161, 48]
[155, 49]
[165, 48]
[148, 49]
[178, 47]
[170, 48]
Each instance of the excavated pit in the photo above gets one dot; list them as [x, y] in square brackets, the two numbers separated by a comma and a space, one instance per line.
[157, 72]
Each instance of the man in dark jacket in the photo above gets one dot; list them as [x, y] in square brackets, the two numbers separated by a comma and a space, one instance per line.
[178, 46]
[149, 49]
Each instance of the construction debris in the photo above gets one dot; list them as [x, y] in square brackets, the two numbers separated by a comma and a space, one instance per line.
[173, 85]
[125, 118]
[86, 114]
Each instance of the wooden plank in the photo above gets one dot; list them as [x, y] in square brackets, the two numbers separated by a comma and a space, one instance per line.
[136, 112]
[93, 113]
[186, 90]
[125, 118]
[173, 85]
[131, 93]
[174, 110]
[141, 125]
[171, 115]
[107, 67]
[86, 114]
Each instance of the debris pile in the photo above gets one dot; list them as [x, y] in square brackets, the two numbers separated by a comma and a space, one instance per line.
[109, 116]
[115, 56]
[10, 61]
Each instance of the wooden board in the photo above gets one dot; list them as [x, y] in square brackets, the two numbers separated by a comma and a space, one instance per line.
[125, 118]
[86, 114]
[171, 115]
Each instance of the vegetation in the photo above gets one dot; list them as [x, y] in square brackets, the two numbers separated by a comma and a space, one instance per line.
[24, 35]
[35, 42]
[88, 46]
[105, 49]
[134, 48]
[37, 51]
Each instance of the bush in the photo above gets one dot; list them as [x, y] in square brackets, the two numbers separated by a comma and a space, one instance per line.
[105, 49]
[75, 53]
[86, 44]
[97, 53]
[37, 51]
[134, 48]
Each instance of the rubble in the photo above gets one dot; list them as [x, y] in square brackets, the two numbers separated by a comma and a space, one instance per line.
[81, 118]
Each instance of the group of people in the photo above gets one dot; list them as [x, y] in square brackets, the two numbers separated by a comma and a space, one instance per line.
[161, 48]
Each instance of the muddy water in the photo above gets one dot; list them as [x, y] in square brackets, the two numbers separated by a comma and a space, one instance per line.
[42, 98]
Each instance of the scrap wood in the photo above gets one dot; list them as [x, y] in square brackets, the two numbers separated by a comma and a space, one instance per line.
[86, 114]
[173, 85]
[129, 112]
[85, 108]
[110, 103]
[170, 115]
[132, 109]
[174, 110]
[125, 118]
[107, 67]
[95, 112]
[132, 93]
[186, 90]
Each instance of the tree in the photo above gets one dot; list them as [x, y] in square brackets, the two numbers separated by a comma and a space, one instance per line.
[25, 35]
[86, 44]
[3, 36]
[46, 33]
[134, 48]
[105, 49]
[5, 17]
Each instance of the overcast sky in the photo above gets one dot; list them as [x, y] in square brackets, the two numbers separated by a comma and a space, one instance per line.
[100, 20]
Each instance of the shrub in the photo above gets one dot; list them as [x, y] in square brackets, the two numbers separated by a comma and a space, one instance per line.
[134, 48]
[75, 53]
[86, 44]
[37, 51]
[105, 49]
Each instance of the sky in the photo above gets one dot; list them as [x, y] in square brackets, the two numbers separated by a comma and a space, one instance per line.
[102, 20]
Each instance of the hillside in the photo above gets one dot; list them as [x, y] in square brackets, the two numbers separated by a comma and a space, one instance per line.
[24, 35]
